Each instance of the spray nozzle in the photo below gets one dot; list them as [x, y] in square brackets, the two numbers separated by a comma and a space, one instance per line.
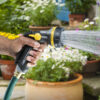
[51, 37]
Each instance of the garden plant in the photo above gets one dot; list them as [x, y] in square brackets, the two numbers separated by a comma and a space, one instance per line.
[57, 65]
[56, 71]
[41, 12]
[79, 6]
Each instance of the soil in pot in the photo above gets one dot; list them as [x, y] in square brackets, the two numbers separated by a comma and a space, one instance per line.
[7, 69]
[71, 90]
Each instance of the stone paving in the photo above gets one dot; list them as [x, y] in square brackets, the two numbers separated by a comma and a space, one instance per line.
[19, 90]
[92, 85]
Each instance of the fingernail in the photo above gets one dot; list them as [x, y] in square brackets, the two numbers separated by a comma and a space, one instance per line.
[29, 58]
[35, 49]
[36, 44]
[31, 52]
[30, 65]
[40, 50]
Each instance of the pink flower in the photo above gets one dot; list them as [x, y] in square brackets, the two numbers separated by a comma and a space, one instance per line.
[66, 48]
[20, 34]
[77, 29]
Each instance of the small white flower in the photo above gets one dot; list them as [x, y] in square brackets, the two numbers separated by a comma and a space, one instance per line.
[27, 18]
[53, 67]
[41, 11]
[34, 8]
[96, 18]
[86, 20]
[86, 26]
[62, 5]
[28, 2]
[59, 1]
[91, 23]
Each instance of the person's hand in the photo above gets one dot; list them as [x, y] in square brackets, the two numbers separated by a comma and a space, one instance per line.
[17, 44]
[34, 55]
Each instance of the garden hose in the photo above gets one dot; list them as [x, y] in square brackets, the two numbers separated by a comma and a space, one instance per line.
[11, 86]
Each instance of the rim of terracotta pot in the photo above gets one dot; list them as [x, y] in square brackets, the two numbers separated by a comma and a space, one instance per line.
[93, 61]
[39, 27]
[77, 14]
[7, 61]
[72, 82]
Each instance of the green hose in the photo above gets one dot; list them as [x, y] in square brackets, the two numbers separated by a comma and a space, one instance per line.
[10, 88]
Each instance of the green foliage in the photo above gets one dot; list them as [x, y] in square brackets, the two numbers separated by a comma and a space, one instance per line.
[2, 1]
[90, 25]
[45, 18]
[15, 19]
[5, 57]
[98, 97]
[79, 6]
[90, 56]
[10, 13]
[43, 15]
[43, 71]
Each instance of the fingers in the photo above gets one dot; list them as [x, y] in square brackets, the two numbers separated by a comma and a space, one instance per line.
[30, 65]
[42, 47]
[31, 59]
[30, 42]
[34, 55]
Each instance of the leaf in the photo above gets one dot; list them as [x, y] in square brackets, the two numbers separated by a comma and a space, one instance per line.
[2, 1]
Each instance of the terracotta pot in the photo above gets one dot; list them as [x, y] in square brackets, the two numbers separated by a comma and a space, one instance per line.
[91, 68]
[71, 90]
[7, 69]
[38, 28]
[75, 19]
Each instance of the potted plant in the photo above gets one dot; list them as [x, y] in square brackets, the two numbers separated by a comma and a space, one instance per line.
[91, 25]
[93, 64]
[41, 13]
[54, 76]
[93, 61]
[78, 9]
[6, 62]
[7, 66]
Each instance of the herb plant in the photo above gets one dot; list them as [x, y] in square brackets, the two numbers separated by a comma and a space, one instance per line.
[79, 6]
[13, 18]
[41, 12]
[57, 65]
[90, 56]
[5, 57]
[91, 25]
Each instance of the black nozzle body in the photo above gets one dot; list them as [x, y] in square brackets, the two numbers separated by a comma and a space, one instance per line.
[45, 37]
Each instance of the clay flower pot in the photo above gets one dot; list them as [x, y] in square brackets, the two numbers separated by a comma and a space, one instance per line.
[70, 90]
[7, 69]
[75, 19]
[38, 28]
[91, 68]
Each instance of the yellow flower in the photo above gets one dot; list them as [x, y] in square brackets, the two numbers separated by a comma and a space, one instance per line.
[9, 35]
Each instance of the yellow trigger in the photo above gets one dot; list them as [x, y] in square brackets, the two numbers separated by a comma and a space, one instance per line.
[36, 36]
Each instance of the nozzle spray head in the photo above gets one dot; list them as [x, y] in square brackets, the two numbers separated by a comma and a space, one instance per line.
[51, 36]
